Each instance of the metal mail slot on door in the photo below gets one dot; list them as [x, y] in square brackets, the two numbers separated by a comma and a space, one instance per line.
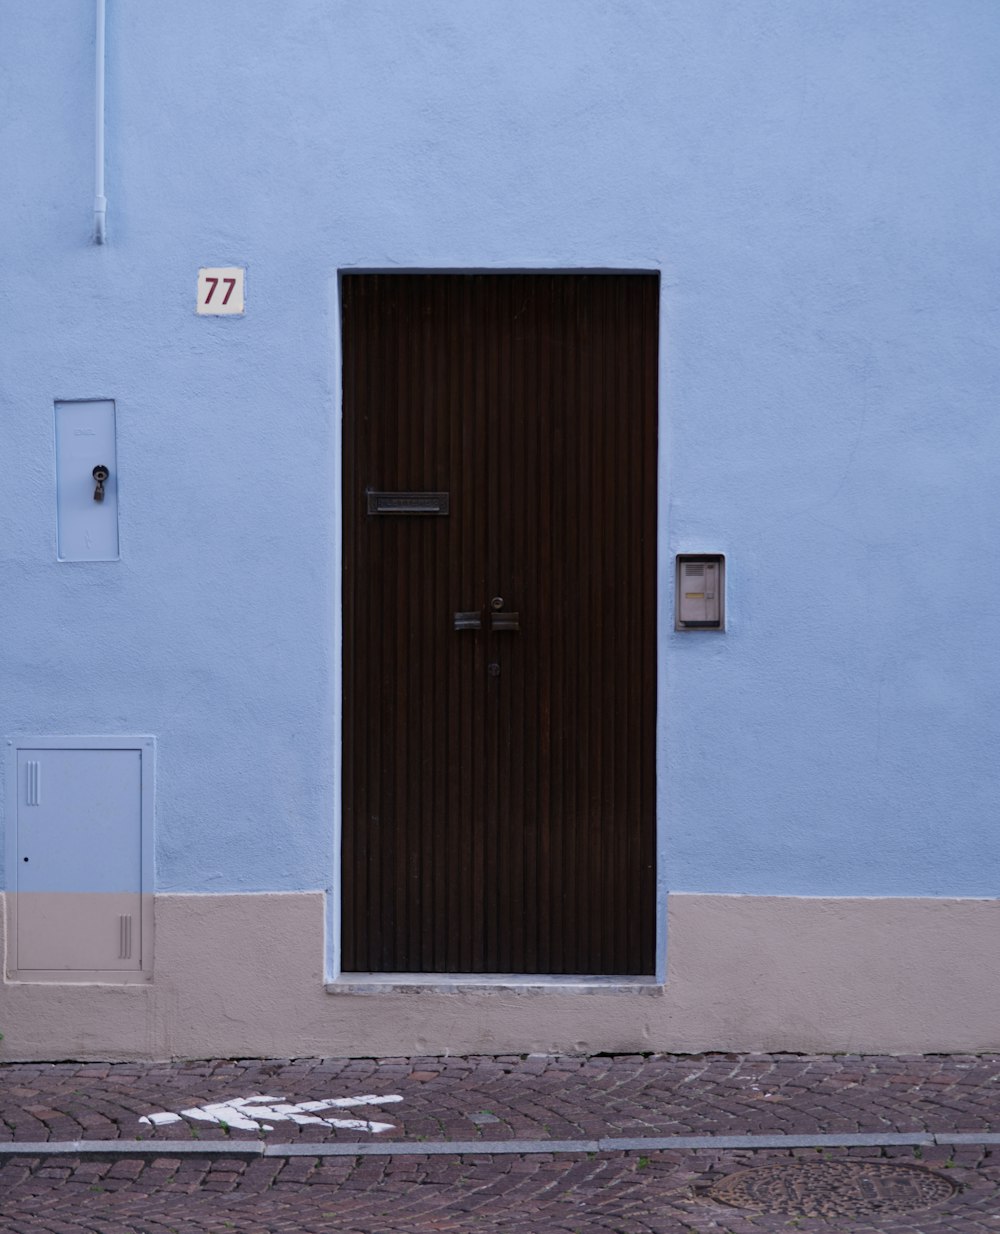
[700, 591]
[407, 503]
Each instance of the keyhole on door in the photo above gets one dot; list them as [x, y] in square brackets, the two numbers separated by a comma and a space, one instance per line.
[496, 604]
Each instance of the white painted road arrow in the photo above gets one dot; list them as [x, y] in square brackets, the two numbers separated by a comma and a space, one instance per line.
[257, 1113]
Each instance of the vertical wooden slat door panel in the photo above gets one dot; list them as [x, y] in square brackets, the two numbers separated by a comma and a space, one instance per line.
[499, 782]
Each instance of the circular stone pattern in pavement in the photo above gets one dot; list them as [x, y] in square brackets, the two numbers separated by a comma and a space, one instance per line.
[833, 1188]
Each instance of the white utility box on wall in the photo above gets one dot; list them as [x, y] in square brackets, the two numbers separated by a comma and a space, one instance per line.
[79, 858]
[86, 481]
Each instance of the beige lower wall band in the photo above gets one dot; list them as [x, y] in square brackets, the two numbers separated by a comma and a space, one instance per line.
[243, 975]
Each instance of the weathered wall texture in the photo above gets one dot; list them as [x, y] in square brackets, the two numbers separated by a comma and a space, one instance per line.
[817, 183]
[243, 976]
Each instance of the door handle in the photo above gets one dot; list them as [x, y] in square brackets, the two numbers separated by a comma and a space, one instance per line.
[504, 621]
[498, 620]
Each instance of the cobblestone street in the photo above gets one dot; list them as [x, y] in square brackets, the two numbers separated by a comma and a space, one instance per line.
[193, 1185]
[510, 1097]
[627, 1193]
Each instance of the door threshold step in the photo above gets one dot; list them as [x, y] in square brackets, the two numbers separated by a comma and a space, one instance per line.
[490, 983]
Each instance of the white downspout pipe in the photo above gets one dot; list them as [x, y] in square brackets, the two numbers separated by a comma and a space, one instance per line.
[100, 201]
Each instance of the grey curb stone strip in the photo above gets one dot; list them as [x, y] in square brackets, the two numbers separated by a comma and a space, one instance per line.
[608, 1144]
[433, 1148]
[965, 1137]
[133, 1148]
[830, 1140]
[412, 1148]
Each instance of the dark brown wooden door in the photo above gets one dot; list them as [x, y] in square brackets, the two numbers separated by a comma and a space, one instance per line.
[499, 781]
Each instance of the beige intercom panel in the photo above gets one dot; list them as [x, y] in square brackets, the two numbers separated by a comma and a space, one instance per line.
[700, 592]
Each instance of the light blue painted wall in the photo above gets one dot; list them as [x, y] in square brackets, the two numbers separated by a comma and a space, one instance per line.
[817, 181]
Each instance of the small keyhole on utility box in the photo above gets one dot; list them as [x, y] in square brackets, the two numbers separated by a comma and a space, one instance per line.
[100, 474]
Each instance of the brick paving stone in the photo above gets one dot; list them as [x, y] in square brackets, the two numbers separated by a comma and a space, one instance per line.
[560, 1096]
[615, 1193]
[535, 1097]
